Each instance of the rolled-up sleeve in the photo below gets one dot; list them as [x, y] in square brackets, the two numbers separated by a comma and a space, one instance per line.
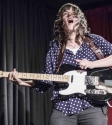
[103, 44]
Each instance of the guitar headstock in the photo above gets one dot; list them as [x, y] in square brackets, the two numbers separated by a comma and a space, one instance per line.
[1, 74]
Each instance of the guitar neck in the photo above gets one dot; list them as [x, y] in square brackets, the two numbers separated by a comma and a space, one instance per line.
[37, 76]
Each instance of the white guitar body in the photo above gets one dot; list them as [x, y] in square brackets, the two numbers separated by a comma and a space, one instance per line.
[77, 84]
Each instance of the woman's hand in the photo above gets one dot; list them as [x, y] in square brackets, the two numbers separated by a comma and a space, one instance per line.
[13, 76]
[76, 25]
[84, 64]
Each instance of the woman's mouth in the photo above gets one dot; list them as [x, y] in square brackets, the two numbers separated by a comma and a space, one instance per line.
[70, 21]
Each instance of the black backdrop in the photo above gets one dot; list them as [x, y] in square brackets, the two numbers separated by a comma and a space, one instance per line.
[25, 33]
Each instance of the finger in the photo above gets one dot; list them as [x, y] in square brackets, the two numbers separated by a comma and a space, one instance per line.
[76, 26]
[13, 75]
[10, 76]
[78, 60]
[12, 79]
[14, 69]
[81, 66]
[14, 72]
[85, 67]
[100, 87]
[76, 22]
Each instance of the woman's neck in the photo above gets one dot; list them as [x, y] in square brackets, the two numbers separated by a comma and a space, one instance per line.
[71, 42]
[72, 36]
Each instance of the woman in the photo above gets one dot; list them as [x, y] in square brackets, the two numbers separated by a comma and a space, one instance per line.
[71, 29]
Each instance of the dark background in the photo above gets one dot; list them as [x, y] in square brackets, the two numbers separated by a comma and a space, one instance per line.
[84, 4]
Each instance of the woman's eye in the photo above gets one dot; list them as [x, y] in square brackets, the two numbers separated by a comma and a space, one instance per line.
[74, 14]
[65, 14]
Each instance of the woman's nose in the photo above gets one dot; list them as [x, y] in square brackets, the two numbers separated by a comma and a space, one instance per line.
[70, 14]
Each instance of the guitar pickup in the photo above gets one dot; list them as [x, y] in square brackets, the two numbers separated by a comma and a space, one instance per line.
[91, 80]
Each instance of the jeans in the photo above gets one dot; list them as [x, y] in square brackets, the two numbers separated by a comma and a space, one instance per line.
[90, 116]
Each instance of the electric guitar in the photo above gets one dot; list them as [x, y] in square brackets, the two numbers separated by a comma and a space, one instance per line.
[79, 81]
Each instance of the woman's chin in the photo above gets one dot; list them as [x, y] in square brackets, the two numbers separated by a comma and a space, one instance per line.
[70, 28]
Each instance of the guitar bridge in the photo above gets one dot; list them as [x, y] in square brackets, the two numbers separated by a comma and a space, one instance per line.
[95, 91]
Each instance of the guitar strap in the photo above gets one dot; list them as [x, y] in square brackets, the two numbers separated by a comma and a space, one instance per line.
[95, 48]
[60, 57]
[89, 42]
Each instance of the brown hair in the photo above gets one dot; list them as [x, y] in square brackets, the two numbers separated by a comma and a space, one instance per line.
[62, 33]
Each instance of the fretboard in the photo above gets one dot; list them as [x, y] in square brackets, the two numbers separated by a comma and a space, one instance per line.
[37, 76]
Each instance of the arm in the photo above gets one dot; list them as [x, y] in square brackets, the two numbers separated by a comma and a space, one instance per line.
[40, 86]
[106, 62]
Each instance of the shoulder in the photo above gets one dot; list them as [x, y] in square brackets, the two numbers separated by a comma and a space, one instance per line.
[54, 44]
[95, 37]
[101, 42]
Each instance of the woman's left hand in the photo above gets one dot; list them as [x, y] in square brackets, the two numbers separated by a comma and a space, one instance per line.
[84, 64]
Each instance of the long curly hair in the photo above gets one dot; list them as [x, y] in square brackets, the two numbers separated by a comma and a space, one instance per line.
[62, 32]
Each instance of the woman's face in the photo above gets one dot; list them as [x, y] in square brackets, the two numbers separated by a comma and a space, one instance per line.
[70, 19]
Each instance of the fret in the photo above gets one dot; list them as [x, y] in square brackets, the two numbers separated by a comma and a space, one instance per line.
[34, 76]
[59, 78]
[54, 77]
[65, 78]
[19, 75]
[22, 75]
[51, 77]
[31, 76]
[38, 77]
[5, 74]
[28, 76]
[47, 77]
[42, 76]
